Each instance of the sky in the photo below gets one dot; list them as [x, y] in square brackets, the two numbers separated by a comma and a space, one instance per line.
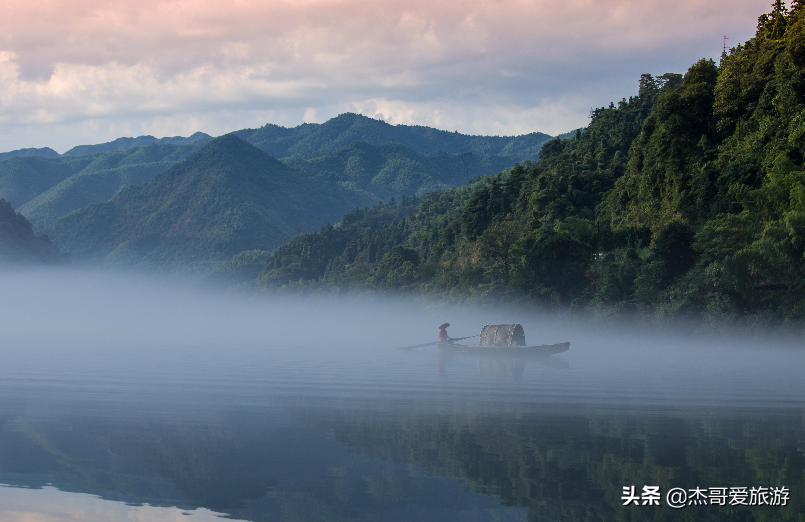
[88, 71]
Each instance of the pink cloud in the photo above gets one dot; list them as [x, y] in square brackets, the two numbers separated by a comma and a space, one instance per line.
[151, 58]
[185, 33]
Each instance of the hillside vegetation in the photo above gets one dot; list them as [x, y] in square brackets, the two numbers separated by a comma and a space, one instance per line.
[19, 245]
[122, 144]
[687, 198]
[45, 152]
[47, 188]
[316, 188]
[103, 177]
[358, 153]
[227, 197]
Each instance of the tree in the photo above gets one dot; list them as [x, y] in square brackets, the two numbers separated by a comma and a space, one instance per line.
[554, 261]
[495, 246]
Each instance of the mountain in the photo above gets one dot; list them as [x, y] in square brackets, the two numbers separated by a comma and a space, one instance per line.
[102, 176]
[337, 133]
[369, 157]
[19, 245]
[687, 200]
[128, 143]
[342, 130]
[225, 198]
[46, 186]
[460, 243]
[323, 186]
[22, 178]
[391, 170]
[45, 152]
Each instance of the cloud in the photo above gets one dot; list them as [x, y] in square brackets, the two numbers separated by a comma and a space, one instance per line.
[129, 64]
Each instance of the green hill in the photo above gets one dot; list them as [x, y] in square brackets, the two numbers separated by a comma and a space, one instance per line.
[227, 197]
[459, 242]
[391, 170]
[19, 245]
[103, 175]
[369, 157]
[22, 178]
[687, 199]
[46, 186]
[312, 190]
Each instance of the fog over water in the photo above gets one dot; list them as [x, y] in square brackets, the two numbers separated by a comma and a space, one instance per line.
[169, 396]
[108, 325]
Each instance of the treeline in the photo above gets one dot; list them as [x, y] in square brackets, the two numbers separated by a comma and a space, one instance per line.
[687, 198]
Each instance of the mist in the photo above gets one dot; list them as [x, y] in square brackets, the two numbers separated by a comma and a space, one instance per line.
[132, 397]
[109, 324]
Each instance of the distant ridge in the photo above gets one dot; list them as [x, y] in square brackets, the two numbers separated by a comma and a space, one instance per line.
[45, 152]
[45, 189]
[336, 133]
[128, 143]
[348, 161]
[347, 128]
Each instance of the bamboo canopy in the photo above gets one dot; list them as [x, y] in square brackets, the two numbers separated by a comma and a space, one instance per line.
[502, 335]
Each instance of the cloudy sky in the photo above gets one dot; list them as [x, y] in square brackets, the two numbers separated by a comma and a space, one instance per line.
[87, 71]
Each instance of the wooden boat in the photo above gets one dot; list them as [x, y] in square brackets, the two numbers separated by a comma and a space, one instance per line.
[543, 349]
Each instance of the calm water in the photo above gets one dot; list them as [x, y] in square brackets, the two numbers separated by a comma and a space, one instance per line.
[148, 432]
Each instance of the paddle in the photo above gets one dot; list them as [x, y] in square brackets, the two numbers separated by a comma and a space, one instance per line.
[434, 343]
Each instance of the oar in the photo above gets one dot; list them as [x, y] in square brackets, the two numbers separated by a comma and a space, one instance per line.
[434, 343]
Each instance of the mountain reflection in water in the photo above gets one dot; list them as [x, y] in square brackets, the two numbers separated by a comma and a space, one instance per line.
[53, 505]
[266, 433]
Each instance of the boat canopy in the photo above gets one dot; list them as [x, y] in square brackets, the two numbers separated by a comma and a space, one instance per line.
[502, 335]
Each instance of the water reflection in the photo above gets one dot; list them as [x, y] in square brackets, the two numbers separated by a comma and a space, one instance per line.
[369, 463]
[497, 368]
[53, 505]
[507, 369]
[260, 435]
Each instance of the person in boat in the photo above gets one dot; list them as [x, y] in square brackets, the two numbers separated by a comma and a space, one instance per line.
[443, 337]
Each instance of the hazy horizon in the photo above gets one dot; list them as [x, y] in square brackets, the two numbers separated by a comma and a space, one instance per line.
[101, 305]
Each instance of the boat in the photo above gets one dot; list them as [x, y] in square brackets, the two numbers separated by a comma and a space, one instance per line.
[504, 339]
[542, 349]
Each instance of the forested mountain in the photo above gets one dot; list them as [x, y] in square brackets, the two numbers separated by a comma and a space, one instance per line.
[227, 197]
[19, 245]
[459, 242]
[388, 170]
[334, 134]
[347, 128]
[689, 197]
[122, 144]
[45, 152]
[103, 177]
[45, 189]
[22, 178]
[45, 186]
[330, 183]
